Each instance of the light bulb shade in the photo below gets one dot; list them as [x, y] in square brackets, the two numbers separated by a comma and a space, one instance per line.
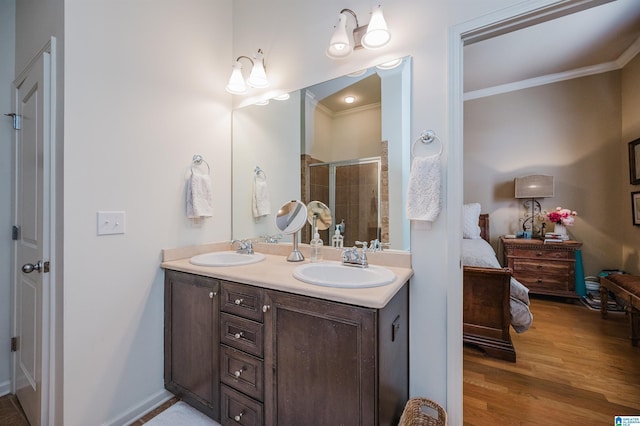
[534, 186]
[258, 76]
[236, 83]
[340, 45]
[377, 34]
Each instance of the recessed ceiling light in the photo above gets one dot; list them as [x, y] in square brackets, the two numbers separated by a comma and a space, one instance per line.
[262, 102]
[389, 64]
[282, 97]
[350, 99]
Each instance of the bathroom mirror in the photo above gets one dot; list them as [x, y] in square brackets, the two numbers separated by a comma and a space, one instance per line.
[290, 218]
[355, 160]
[319, 217]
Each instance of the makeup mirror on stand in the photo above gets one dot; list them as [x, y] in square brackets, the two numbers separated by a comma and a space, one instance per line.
[289, 220]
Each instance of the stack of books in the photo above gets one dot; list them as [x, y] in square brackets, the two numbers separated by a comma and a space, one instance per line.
[552, 237]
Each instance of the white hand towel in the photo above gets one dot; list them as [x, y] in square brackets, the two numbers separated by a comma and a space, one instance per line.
[261, 205]
[199, 196]
[423, 192]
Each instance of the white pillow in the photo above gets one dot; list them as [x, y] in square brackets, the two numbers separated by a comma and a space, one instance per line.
[470, 217]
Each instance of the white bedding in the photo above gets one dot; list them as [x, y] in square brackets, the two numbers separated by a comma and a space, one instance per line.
[478, 252]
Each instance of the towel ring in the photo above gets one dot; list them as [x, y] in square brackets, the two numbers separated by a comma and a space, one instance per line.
[258, 171]
[426, 137]
[198, 160]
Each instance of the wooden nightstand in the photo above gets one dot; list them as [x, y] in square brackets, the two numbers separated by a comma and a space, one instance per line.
[544, 268]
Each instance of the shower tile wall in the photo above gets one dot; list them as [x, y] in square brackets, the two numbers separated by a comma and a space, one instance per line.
[357, 201]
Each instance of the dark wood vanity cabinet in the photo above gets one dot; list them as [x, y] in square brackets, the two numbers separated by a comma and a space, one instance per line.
[191, 340]
[286, 359]
[328, 363]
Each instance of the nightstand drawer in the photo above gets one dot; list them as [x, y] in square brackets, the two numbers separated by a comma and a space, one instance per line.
[548, 267]
[242, 372]
[241, 333]
[542, 253]
[549, 283]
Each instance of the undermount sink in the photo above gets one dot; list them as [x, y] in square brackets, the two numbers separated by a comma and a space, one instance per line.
[335, 274]
[226, 258]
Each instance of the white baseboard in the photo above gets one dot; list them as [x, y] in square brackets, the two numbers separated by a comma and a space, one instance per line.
[5, 388]
[139, 410]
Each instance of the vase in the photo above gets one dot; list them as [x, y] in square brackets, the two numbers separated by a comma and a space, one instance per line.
[561, 230]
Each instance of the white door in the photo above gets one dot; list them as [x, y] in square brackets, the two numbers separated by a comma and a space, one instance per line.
[31, 277]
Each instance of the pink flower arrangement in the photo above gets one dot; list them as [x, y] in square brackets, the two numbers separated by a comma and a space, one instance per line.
[562, 216]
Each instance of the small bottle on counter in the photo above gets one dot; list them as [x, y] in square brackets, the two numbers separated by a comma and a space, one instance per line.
[337, 239]
[316, 248]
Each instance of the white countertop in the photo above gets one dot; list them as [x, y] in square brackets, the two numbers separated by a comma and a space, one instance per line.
[276, 273]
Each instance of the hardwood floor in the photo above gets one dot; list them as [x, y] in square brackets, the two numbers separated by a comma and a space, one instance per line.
[11, 413]
[572, 368]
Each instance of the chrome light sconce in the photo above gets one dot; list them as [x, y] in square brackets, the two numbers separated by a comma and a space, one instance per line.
[371, 36]
[257, 78]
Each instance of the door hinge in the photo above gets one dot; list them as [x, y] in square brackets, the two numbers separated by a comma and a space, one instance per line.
[17, 120]
[14, 344]
[15, 233]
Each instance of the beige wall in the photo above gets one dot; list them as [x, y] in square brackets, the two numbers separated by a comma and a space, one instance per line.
[629, 234]
[570, 130]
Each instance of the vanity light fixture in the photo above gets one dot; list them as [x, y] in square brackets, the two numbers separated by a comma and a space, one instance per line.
[257, 77]
[371, 36]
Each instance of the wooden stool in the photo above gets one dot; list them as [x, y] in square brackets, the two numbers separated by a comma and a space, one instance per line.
[626, 288]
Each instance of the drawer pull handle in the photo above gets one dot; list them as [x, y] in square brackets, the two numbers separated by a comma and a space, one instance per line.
[239, 416]
[265, 308]
[539, 266]
[238, 301]
[238, 373]
[239, 334]
[539, 253]
[539, 280]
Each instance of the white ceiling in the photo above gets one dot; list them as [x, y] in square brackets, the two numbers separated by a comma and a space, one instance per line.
[595, 40]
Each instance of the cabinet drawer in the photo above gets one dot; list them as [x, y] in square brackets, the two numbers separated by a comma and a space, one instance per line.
[242, 372]
[238, 409]
[241, 333]
[242, 300]
[542, 254]
[548, 267]
[549, 283]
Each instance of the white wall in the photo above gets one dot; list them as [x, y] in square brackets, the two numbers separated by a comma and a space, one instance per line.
[419, 29]
[569, 130]
[7, 53]
[144, 92]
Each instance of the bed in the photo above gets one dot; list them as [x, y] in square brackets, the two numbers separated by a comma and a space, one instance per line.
[493, 301]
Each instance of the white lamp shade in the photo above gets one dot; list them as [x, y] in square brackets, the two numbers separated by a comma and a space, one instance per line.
[534, 186]
[236, 83]
[258, 76]
[377, 33]
[340, 44]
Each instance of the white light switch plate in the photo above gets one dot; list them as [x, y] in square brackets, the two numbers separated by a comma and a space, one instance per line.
[111, 223]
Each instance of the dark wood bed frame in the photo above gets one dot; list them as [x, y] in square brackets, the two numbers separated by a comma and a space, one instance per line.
[486, 317]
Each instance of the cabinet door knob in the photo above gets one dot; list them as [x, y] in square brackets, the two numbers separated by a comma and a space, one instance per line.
[265, 308]
[239, 416]
[539, 253]
[239, 372]
[212, 294]
[238, 301]
[238, 334]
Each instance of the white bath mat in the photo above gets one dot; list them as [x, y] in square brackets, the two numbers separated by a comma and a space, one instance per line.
[181, 414]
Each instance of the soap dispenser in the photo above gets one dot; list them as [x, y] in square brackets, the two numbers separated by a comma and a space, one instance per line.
[316, 248]
[337, 239]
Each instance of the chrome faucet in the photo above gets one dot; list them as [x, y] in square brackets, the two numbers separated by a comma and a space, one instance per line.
[351, 256]
[376, 245]
[244, 246]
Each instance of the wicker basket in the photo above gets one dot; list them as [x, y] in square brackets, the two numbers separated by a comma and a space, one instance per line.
[421, 412]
